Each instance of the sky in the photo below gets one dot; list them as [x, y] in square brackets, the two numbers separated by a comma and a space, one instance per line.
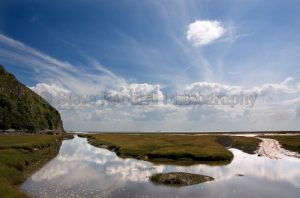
[158, 65]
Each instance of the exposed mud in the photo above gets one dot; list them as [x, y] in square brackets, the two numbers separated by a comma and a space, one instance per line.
[272, 149]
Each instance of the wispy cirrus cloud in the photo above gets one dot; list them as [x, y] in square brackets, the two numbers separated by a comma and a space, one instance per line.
[49, 69]
[62, 80]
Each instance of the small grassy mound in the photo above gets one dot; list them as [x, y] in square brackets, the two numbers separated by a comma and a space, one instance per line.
[289, 142]
[173, 149]
[179, 179]
[21, 155]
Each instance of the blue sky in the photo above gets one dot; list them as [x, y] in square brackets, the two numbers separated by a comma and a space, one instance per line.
[92, 46]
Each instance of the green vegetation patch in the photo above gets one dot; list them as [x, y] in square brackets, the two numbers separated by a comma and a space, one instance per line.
[21, 155]
[179, 179]
[246, 144]
[22, 109]
[183, 149]
[289, 142]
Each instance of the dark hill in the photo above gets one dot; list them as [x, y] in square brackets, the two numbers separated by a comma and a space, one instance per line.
[21, 109]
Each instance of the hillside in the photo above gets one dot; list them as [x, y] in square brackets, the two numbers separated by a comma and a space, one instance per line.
[23, 110]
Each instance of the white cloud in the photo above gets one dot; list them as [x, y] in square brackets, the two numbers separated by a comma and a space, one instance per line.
[51, 89]
[267, 89]
[64, 99]
[52, 93]
[34, 54]
[212, 93]
[136, 94]
[212, 87]
[125, 114]
[203, 32]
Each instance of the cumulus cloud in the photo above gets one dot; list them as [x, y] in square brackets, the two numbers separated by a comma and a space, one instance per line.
[212, 93]
[130, 107]
[63, 98]
[136, 94]
[267, 89]
[131, 94]
[50, 91]
[203, 32]
[211, 87]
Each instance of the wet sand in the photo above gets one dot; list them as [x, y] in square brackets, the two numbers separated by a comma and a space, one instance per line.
[272, 149]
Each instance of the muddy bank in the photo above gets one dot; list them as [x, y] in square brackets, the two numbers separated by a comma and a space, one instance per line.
[272, 149]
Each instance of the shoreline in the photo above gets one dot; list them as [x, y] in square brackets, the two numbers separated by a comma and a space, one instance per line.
[21, 156]
[272, 149]
[191, 133]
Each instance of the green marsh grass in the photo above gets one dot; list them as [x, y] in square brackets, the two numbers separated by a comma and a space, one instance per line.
[22, 155]
[182, 149]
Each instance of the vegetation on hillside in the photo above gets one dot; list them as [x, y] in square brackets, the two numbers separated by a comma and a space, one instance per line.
[174, 149]
[22, 109]
[20, 156]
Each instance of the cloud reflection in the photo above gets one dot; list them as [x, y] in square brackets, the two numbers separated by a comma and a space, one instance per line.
[81, 168]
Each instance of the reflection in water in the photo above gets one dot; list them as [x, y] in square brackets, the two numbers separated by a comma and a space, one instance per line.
[81, 170]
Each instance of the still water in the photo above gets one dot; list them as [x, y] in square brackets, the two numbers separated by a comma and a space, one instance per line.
[82, 170]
